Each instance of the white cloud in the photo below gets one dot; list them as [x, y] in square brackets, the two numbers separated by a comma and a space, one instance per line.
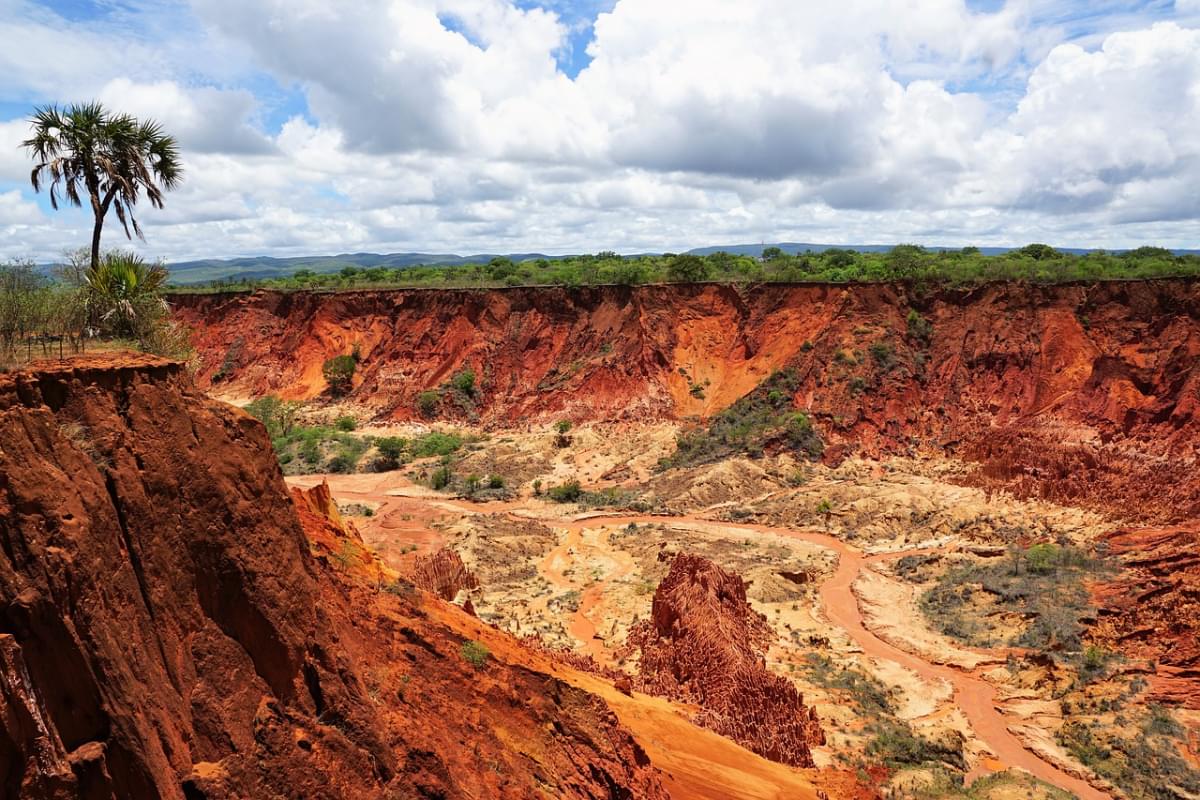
[445, 125]
[16, 210]
[203, 119]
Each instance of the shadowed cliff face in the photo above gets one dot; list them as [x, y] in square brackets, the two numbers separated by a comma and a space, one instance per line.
[165, 630]
[1080, 393]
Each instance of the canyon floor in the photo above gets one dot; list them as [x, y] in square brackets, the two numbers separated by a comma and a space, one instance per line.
[837, 559]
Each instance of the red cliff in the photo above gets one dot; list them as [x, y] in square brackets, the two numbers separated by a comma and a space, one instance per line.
[165, 631]
[1080, 393]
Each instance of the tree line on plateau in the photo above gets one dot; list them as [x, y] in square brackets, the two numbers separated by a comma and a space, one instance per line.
[906, 262]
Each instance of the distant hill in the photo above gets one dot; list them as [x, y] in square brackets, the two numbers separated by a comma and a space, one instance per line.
[255, 267]
[252, 267]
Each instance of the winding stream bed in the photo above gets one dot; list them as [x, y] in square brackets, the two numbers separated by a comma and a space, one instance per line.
[974, 695]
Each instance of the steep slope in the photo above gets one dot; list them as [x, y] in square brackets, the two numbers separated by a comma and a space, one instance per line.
[1081, 393]
[165, 630]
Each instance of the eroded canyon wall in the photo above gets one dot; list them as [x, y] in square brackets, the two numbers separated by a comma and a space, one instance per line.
[166, 630]
[1080, 393]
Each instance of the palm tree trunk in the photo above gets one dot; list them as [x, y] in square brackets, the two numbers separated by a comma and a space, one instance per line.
[100, 210]
[96, 241]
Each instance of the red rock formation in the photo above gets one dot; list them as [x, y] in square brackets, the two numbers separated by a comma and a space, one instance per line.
[704, 645]
[333, 536]
[1152, 609]
[1087, 393]
[443, 574]
[165, 631]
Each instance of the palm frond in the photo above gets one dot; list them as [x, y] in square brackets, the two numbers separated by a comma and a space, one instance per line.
[86, 149]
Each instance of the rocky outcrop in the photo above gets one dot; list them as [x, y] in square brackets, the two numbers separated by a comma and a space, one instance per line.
[1151, 610]
[166, 631]
[704, 645]
[333, 536]
[1085, 393]
[443, 574]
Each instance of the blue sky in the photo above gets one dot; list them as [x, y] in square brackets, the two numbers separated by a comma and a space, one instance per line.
[560, 126]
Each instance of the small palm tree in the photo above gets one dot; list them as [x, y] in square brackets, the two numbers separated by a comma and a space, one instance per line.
[123, 293]
[86, 150]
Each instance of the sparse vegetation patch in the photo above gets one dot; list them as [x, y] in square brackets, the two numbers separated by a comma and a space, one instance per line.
[1042, 585]
[761, 420]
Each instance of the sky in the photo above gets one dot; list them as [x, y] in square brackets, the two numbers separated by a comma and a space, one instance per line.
[566, 126]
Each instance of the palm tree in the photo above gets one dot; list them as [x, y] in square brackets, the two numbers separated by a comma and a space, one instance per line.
[123, 294]
[111, 158]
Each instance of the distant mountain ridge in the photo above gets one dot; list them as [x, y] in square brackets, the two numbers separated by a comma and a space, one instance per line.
[251, 267]
[258, 267]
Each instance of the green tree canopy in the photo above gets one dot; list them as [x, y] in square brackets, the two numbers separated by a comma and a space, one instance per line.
[687, 269]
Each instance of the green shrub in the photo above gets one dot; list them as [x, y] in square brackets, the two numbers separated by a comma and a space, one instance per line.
[392, 447]
[346, 423]
[1146, 767]
[612, 497]
[495, 482]
[441, 477]
[1093, 663]
[688, 269]
[1038, 263]
[762, 418]
[568, 492]
[339, 374]
[1050, 594]
[918, 327]
[884, 356]
[434, 443]
[474, 653]
[1042, 558]
[464, 382]
[562, 428]
[871, 697]
[896, 744]
[340, 464]
[278, 416]
[428, 402]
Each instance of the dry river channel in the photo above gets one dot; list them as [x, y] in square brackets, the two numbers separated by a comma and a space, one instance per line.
[974, 695]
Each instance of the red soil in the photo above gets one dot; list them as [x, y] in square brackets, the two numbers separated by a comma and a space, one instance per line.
[1083, 393]
[704, 645]
[165, 630]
